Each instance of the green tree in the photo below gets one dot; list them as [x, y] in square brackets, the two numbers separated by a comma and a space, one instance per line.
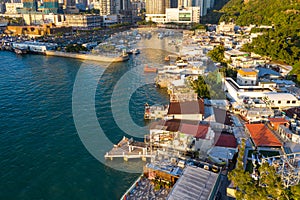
[217, 54]
[209, 86]
[269, 185]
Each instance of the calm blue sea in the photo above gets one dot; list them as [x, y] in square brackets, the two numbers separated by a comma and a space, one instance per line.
[41, 154]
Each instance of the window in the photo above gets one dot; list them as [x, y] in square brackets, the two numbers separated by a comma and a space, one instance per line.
[288, 102]
[293, 102]
[279, 102]
[245, 81]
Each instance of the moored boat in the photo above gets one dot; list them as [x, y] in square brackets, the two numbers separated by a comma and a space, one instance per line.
[20, 51]
[136, 51]
[150, 69]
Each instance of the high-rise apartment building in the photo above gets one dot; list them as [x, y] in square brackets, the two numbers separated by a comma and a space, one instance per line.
[30, 5]
[157, 6]
[50, 6]
[106, 7]
[204, 5]
[185, 3]
[174, 3]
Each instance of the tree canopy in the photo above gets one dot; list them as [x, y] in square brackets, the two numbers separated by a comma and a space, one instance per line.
[217, 54]
[209, 86]
[268, 186]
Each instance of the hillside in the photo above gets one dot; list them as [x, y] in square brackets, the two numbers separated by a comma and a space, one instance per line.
[282, 43]
[267, 12]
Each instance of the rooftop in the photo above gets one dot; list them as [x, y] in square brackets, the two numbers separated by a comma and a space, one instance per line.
[267, 71]
[247, 72]
[262, 136]
[226, 140]
[195, 184]
[198, 131]
[281, 96]
[184, 126]
[277, 120]
[222, 116]
[188, 107]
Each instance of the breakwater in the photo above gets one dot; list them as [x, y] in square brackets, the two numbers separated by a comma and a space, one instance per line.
[93, 57]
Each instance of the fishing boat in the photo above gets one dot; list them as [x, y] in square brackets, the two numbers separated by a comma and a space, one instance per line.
[150, 69]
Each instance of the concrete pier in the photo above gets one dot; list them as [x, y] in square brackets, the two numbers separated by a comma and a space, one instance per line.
[93, 57]
[128, 149]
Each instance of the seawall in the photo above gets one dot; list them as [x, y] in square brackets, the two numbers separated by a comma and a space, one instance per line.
[92, 57]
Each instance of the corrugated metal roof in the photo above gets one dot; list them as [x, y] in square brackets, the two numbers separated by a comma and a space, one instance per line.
[195, 184]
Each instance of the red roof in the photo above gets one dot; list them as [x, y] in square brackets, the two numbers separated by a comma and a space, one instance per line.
[198, 131]
[226, 140]
[188, 107]
[262, 136]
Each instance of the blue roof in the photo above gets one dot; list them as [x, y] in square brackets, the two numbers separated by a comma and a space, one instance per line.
[266, 71]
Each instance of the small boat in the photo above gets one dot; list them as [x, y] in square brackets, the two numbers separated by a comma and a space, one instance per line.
[150, 69]
[20, 51]
[136, 51]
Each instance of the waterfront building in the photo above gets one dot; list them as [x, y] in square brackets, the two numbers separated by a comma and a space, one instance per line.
[36, 31]
[181, 136]
[12, 8]
[183, 15]
[84, 22]
[188, 110]
[36, 47]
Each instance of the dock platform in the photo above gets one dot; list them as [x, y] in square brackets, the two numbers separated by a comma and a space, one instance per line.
[128, 149]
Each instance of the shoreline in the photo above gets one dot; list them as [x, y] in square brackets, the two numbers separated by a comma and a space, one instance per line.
[81, 56]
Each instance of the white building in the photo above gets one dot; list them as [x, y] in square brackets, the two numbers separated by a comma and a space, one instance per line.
[11, 8]
[183, 15]
[158, 18]
[281, 100]
[247, 76]
[238, 92]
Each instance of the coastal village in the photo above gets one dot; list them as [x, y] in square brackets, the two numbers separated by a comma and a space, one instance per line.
[251, 104]
[193, 142]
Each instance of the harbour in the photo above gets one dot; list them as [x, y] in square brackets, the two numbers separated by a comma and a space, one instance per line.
[49, 128]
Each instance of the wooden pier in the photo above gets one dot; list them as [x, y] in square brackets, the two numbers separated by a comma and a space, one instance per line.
[127, 149]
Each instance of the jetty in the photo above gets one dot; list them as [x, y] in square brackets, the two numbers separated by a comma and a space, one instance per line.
[93, 57]
[128, 149]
